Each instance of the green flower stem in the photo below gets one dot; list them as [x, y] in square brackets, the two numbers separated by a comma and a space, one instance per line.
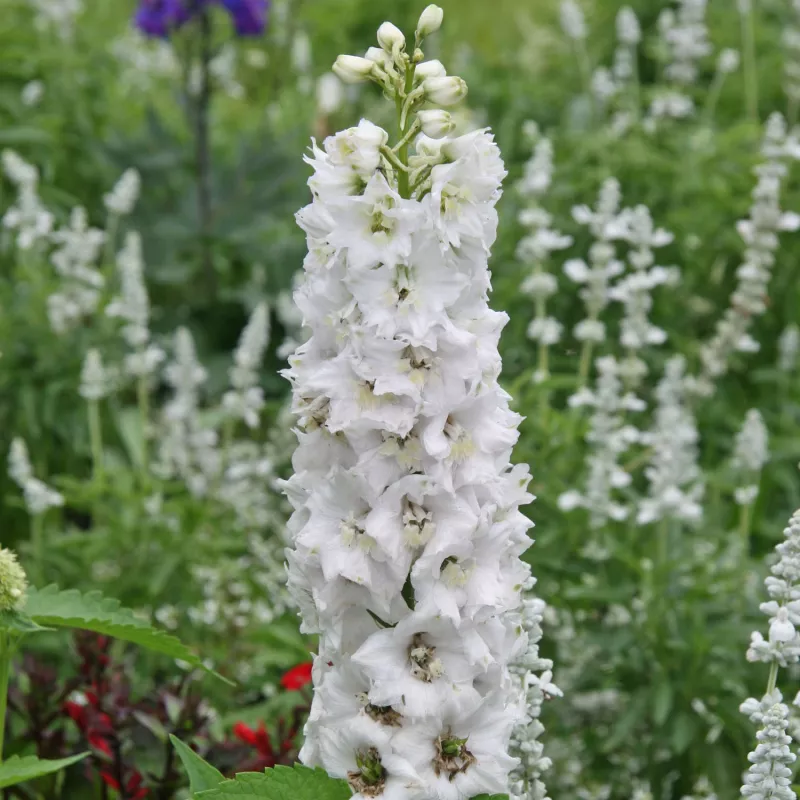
[582, 57]
[6, 651]
[143, 398]
[585, 362]
[712, 100]
[745, 518]
[96, 438]
[37, 545]
[402, 152]
[773, 677]
[750, 74]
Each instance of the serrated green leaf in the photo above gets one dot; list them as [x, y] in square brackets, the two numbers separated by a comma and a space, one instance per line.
[19, 622]
[104, 615]
[202, 776]
[281, 783]
[17, 770]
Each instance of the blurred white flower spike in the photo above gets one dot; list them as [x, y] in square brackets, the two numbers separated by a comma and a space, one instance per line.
[406, 530]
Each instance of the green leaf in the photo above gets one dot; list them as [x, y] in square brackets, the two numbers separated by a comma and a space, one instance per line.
[202, 775]
[281, 783]
[662, 702]
[19, 622]
[491, 797]
[16, 770]
[104, 615]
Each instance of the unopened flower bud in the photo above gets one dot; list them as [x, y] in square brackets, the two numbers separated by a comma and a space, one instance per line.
[352, 69]
[429, 21]
[445, 91]
[390, 37]
[435, 123]
[13, 582]
[377, 55]
[430, 69]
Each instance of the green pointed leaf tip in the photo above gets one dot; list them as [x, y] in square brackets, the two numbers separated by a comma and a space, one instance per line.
[18, 770]
[202, 776]
[104, 615]
[281, 783]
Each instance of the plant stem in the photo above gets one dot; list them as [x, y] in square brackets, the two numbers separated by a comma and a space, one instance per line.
[745, 516]
[6, 652]
[713, 97]
[37, 544]
[750, 76]
[402, 152]
[143, 397]
[585, 363]
[582, 57]
[203, 152]
[96, 438]
[773, 677]
[663, 544]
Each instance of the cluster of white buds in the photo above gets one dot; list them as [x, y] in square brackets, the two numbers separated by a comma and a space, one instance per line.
[770, 775]
[78, 247]
[97, 381]
[750, 453]
[535, 676]
[788, 348]
[635, 289]
[39, 497]
[132, 306]
[122, 198]
[596, 276]
[760, 235]
[27, 217]
[535, 248]
[245, 400]
[674, 477]
[406, 532]
[609, 437]
[685, 35]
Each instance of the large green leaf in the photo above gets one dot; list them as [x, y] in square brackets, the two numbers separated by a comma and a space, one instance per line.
[281, 783]
[104, 615]
[202, 776]
[17, 770]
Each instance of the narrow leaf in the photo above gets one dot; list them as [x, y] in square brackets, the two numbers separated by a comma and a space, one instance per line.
[17, 770]
[202, 775]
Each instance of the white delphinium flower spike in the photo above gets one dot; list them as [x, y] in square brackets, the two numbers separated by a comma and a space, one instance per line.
[674, 477]
[609, 437]
[39, 497]
[535, 676]
[635, 289]
[27, 216]
[246, 399]
[74, 259]
[534, 250]
[124, 194]
[595, 277]
[788, 348]
[760, 235]
[770, 775]
[750, 453]
[132, 306]
[406, 533]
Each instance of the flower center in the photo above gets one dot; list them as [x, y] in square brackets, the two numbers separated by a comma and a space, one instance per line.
[385, 715]
[370, 777]
[452, 756]
[424, 664]
[418, 526]
[354, 535]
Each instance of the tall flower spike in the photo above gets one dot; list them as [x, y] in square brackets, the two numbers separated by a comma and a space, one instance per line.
[406, 532]
[750, 453]
[788, 348]
[124, 194]
[95, 380]
[39, 497]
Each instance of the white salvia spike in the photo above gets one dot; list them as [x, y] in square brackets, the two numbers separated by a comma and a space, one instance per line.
[770, 775]
[687, 41]
[39, 497]
[629, 32]
[27, 216]
[19, 464]
[123, 196]
[750, 450]
[94, 379]
[246, 399]
[788, 348]
[573, 21]
[791, 63]
[185, 375]
[406, 531]
[675, 482]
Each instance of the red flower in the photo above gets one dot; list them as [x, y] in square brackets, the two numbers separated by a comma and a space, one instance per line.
[297, 677]
[258, 738]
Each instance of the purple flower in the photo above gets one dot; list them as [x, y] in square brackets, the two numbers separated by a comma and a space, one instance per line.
[162, 17]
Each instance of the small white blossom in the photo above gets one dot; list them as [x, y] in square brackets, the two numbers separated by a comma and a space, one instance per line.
[123, 196]
[573, 22]
[32, 93]
[39, 497]
[95, 380]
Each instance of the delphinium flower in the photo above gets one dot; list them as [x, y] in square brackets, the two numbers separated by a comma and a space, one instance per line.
[788, 348]
[132, 306]
[163, 17]
[245, 400]
[27, 216]
[609, 437]
[596, 275]
[406, 529]
[760, 235]
[791, 62]
[536, 683]
[534, 251]
[291, 319]
[635, 289]
[573, 23]
[675, 482]
[770, 775]
[78, 246]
